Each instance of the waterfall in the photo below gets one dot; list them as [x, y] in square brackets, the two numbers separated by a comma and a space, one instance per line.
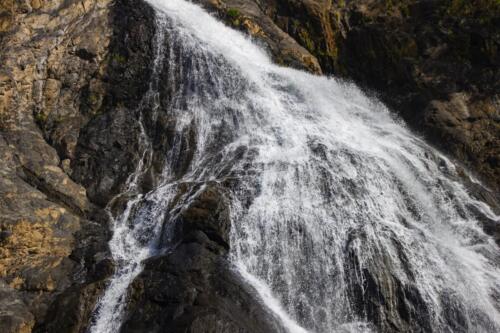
[334, 203]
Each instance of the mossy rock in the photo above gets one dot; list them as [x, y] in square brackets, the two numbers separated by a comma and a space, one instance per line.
[233, 13]
[40, 118]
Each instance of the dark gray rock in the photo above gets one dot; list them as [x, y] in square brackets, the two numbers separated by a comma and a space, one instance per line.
[191, 287]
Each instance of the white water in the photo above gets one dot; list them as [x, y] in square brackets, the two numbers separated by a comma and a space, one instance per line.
[329, 190]
[134, 234]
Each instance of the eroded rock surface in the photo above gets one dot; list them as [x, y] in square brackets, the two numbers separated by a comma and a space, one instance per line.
[66, 65]
[192, 288]
[72, 85]
[50, 51]
[72, 77]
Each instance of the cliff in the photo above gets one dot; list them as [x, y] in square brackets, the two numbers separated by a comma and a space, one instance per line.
[71, 78]
[64, 64]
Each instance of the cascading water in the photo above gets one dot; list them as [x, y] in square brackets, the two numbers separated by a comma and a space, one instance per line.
[134, 229]
[335, 204]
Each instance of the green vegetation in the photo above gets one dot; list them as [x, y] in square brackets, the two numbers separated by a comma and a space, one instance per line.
[40, 117]
[306, 40]
[233, 13]
[118, 58]
[389, 5]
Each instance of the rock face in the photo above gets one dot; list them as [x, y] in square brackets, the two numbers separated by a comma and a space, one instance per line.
[437, 64]
[67, 79]
[51, 232]
[191, 288]
[71, 81]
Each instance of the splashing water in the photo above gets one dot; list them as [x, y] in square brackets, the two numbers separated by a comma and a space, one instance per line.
[135, 229]
[334, 203]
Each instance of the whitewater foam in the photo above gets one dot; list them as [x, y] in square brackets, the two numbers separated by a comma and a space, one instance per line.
[332, 192]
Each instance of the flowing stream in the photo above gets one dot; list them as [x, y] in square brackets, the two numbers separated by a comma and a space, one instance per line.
[336, 204]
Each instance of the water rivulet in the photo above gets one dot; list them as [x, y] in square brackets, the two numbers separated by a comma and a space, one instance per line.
[341, 220]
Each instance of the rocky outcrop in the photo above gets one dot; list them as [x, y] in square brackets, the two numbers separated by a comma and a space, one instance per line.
[72, 77]
[106, 151]
[66, 67]
[435, 63]
[108, 147]
[70, 98]
[192, 288]
[249, 17]
[50, 51]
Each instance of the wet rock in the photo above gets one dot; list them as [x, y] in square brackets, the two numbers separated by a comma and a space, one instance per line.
[58, 76]
[108, 148]
[72, 309]
[111, 139]
[192, 287]
[249, 16]
[382, 298]
[106, 152]
[72, 77]
[417, 56]
[207, 215]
